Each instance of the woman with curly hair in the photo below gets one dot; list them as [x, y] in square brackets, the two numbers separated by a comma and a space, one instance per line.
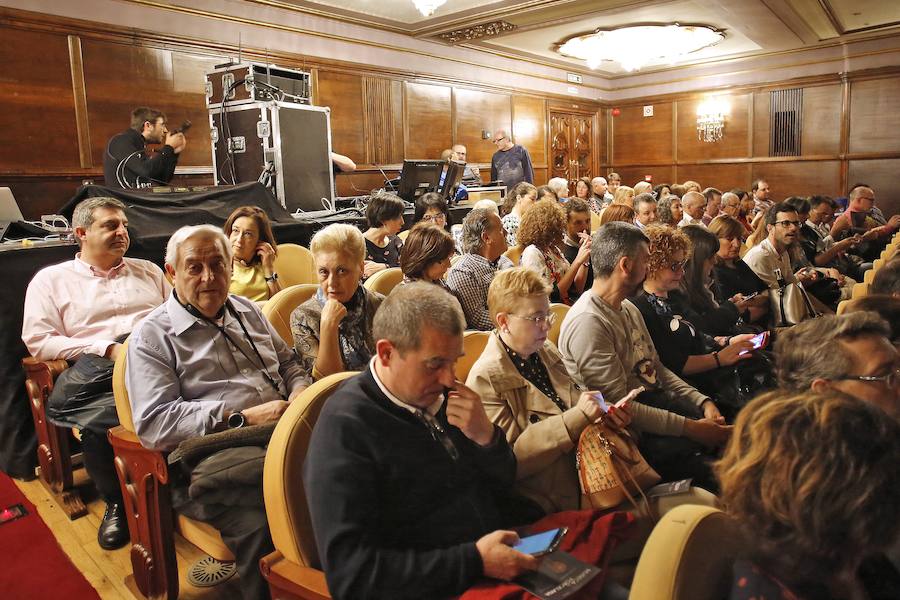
[682, 346]
[617, 212]
[541, 234]
[669, 211]
[812, 481]
[517, 202]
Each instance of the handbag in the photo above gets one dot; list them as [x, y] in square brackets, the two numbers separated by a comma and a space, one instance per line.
[611, 469]
[789, 303]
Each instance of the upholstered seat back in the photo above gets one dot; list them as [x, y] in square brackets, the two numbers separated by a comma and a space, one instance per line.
[384, 281]
[688, 556]
[279, 307]
[286, 506]
[295, 265]
[560, 310]
[120, 393]
[473, 345]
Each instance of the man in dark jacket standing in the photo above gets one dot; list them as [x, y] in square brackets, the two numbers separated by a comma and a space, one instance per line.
[126, 163]
[511, 163]
[407, 479]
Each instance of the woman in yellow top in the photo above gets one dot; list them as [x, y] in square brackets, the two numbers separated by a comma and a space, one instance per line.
[253, 246]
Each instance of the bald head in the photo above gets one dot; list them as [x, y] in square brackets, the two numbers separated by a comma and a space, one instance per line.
[599, 186]
[694, 204]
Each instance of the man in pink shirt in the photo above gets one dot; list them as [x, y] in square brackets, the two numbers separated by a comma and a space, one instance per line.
[81, 310]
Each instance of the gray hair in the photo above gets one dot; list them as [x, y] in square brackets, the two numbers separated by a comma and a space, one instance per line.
[596, 179]
[339, 238]
[407, 310]
[644, 198]
[83, 216]
[559, 185]
[811, 349]
[475, 225]
[191, 231]
[611, 242]
[887, 279]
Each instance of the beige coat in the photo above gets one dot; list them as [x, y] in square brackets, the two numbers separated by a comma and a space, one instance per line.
[543, 438]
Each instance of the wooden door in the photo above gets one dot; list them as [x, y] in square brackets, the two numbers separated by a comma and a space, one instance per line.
[570, 147]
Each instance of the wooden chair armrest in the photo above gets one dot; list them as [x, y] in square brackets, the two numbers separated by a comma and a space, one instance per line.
[293, 580]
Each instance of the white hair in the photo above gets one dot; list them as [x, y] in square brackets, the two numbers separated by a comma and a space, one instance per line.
[596, 179]
[488, 204]
[559, 185]
[191, 231]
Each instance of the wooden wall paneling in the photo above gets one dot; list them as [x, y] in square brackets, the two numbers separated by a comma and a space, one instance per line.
[882, 176]
[643, 140]
[477, 111]
[821, 124]
[119, 78]
[601, 142]
[383, 132]
[530, 129]
[362, 181]
[723, 176]
[732, 145]
[345, 95]
[561, 150]
[37, 106]
[428, 128]
[761, 123]
[799, 178]
[874, 115]
[631, 175]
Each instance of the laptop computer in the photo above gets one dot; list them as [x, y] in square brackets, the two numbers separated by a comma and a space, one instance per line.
[12, 223]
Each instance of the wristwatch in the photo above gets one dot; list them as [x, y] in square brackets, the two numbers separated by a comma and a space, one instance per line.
[273, 277]
[236, 419]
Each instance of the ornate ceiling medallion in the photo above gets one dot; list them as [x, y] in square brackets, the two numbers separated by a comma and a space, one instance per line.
[634, 46]
[494, 28]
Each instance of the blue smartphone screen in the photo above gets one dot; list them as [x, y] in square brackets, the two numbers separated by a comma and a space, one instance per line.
[535, 544]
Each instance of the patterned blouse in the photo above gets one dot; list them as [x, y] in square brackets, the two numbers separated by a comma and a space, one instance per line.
[511, 225]
[533, 369]
[388, 255]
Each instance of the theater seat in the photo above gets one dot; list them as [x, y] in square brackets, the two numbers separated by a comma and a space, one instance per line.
[384, 281]
[514, 254]
[144, 477]
[595, 221]
[279, 307]
[859, 290]
[688, 556]
[473, 345]
[560, 310]
[53, 453]
[293, 570]
[295, 265]
[403, 234]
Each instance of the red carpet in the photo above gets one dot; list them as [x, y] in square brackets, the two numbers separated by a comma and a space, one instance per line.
[32, 565]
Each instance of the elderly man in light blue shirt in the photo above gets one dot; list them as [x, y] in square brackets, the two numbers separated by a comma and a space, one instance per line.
[205, 361]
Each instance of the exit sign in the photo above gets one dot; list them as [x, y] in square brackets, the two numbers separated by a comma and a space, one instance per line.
[573, 78]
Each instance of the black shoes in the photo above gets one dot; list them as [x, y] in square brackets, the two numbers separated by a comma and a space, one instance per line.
[113, 531]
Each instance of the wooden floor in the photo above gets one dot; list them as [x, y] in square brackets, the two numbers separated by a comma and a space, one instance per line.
[106, 570]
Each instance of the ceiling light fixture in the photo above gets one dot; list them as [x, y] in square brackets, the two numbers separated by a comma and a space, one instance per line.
[634, 46]
[427, 7]
[711, 119]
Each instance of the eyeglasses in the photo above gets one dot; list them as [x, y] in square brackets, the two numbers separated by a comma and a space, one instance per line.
[678, 266]
[548, 319]
[787, 224]
[440, 217]
[891, 380]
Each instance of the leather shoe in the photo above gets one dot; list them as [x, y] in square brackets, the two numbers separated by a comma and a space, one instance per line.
[113, 531]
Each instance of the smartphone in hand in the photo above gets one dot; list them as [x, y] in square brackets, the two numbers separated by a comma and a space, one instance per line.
[542, 543]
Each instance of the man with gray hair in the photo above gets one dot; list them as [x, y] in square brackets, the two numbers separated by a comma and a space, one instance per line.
[851, 353]
[511, 163]
[484, 242]
[207, 361]
[560, 186]
[644, 210]
[600, 196]
[424, 514]
[81, 310]
[605, 346]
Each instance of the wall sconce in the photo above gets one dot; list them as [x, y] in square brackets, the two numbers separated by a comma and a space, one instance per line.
[711, 119]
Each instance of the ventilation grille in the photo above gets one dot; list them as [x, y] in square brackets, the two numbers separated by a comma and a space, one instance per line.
[785, 116]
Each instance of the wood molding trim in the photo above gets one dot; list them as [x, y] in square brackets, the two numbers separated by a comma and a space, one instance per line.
[82, 122]
[845, 130]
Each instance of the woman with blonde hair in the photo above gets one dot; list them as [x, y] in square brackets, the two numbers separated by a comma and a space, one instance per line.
[541, 235]
[516, 203]
[811, 480]
[254, 250]
[624, 195]
[333, 330]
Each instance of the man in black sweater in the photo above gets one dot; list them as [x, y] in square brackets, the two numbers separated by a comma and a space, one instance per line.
[126, 163]
[408, 481]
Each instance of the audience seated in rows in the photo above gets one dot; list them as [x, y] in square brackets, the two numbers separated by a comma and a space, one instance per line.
[423, 516]
[694, 207]
[180, 388]
[820, 247]
[887, 278]
[644, 210]
[431, 208]
[484, 242]
[669, 211]
[384, 216]
[426, 254]
[863, 218]
[541, 237]
[606, 346]
[253, 273]
[624, 195]
[332, 330]
[578, 233]
[516, 203]
[81, 310]
[811, 479]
